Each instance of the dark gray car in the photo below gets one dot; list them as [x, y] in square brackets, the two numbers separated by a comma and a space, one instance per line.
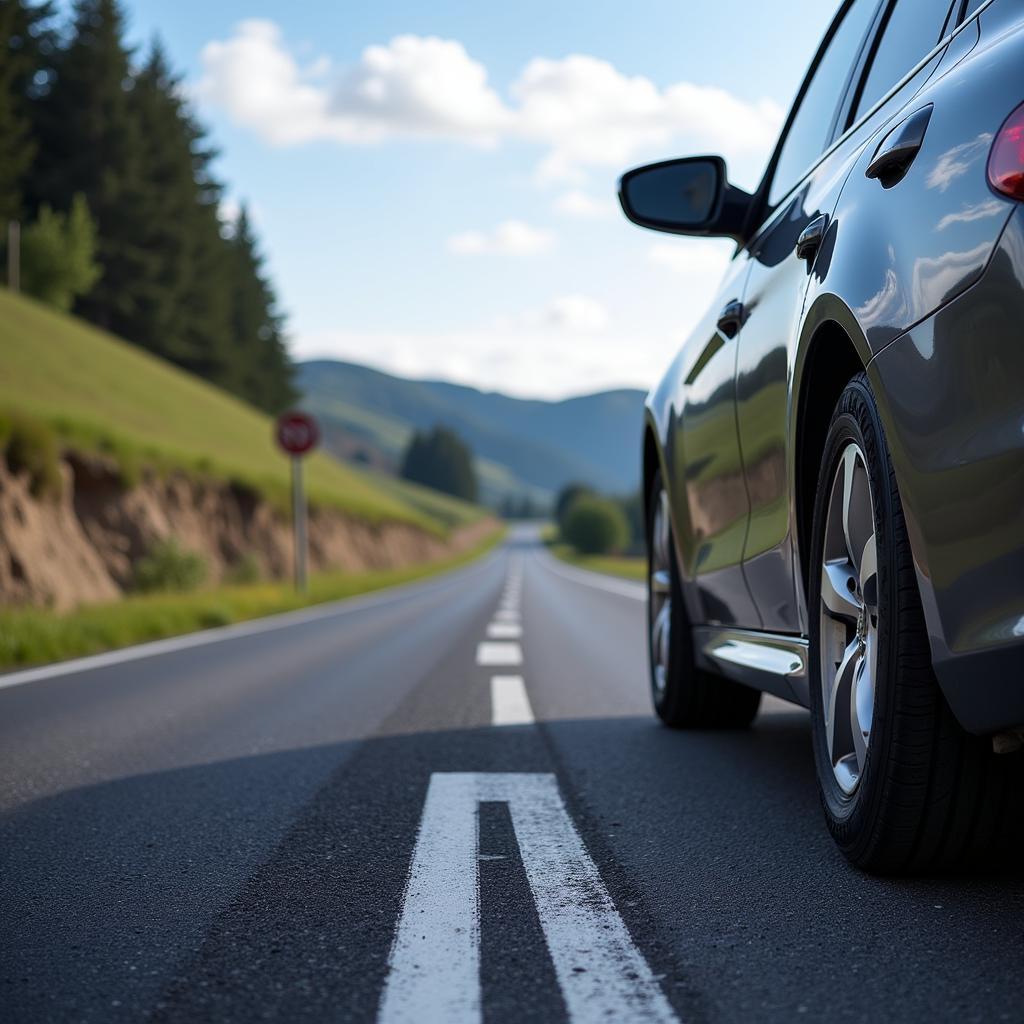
[834, 461]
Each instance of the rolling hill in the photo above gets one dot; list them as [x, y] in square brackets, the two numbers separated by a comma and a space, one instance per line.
[523, 446]
[101, 393]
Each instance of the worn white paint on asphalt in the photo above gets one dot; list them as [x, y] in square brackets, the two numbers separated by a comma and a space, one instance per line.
[499, 653]
[507, 614]
[509, 703]
[434, 964]
[504, 631]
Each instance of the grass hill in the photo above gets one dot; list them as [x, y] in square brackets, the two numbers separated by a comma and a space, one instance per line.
[522, 446]
[101, 393]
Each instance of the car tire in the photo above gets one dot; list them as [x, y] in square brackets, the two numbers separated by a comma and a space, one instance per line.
[685, 696]
[915, 792]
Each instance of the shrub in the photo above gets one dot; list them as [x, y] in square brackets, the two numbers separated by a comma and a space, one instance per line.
[245, 571]
[169, 567]
[32, 448]
[566, 496]
[58, 255]
[595, 526]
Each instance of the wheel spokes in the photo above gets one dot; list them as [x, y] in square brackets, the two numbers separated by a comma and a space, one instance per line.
[868, 575]
[836, 723]
[838, 590]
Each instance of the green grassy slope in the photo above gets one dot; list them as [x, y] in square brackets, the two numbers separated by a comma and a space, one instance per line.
[101, 392]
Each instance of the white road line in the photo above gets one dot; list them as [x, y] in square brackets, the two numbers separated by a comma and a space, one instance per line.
[201, 638]
[598, 581]
[504, 631]
[509, 702]
[434, 964]
[507, 614]
[499, 653]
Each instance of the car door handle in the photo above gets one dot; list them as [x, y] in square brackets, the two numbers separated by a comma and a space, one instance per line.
[809, 241]
[732, 318]
[897, 150]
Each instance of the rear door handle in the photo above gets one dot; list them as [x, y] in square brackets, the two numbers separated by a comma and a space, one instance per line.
[810, 238]
[897, 150]
[732, 318]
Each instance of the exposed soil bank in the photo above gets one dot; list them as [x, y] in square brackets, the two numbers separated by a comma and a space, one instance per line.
[81, 547]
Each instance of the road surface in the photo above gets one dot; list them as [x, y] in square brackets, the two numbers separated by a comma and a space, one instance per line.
[448, 802]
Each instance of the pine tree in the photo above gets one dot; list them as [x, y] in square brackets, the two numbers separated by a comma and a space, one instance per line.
[441, 460]
[263, 368]
[91, 142]
[26, 50]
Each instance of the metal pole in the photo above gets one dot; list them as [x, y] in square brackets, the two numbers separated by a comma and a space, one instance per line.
[299, 524]
[14, 256]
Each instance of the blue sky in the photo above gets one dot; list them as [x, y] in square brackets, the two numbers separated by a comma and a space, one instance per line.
[433, 181]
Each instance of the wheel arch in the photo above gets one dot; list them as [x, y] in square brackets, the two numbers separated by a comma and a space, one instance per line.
[830, 360]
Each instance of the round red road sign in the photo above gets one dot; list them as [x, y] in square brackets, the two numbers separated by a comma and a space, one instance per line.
[297, 432]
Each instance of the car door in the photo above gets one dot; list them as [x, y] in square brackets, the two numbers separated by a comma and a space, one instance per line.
[709, 498]
[801, 196]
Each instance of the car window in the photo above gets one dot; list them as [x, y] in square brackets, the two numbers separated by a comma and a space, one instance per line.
[808, 135]
[912, 29]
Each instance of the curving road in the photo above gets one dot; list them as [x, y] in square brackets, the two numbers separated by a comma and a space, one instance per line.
[447, 802]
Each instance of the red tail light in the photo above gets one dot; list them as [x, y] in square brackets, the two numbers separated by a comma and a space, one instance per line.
[1006, 161]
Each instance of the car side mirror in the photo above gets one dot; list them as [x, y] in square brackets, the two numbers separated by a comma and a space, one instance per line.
[689, 196]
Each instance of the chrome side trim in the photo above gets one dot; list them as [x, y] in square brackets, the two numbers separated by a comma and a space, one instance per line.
[766, 661]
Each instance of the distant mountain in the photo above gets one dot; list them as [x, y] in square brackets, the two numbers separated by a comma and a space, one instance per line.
[523, 446]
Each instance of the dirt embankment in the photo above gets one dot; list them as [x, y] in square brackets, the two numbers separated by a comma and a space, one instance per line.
[82, 547]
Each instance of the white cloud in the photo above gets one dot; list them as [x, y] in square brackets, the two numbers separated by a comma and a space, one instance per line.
[414, 86]
[588, 112]
[512, 237]
[583, 110]
[576, 203]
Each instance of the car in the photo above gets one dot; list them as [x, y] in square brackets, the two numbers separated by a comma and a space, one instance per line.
[833, 463]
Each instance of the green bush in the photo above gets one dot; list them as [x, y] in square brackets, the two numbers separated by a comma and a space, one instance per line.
[566, 496]
[246, 570]
[595, 526]
[58, 255]
[32, 448]
[169, 567]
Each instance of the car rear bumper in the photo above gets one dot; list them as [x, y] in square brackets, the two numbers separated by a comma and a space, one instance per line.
[951, 393]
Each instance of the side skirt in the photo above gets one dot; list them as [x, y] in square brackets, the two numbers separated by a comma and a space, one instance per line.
[771, 662]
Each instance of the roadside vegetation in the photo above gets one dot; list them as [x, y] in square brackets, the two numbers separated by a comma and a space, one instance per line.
[33, 636]
[598, 532]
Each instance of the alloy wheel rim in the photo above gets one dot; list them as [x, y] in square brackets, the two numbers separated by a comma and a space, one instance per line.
[849, 618]
[660, 595]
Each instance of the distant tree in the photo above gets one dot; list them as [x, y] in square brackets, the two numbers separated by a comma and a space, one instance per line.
[58, 255]
[632, 506]
[90, 141]
[28, 44]
[440, 460]
[566, 496]
[257, 327]
[595, 525]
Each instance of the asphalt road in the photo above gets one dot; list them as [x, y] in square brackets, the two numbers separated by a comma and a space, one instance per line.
[348, 816]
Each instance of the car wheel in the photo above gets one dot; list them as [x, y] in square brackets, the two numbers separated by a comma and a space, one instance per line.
[684, 695]
[902, 785]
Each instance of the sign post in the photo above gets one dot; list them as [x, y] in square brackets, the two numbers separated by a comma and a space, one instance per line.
[297, 434]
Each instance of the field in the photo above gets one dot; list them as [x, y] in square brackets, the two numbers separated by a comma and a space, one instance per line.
[101, 393]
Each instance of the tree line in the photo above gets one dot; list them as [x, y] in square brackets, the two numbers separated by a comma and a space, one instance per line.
[104, 163]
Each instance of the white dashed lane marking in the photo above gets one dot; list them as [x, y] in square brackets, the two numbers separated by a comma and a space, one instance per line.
[435, 959]
[509, 702]
[504, 631]
[499, 653]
